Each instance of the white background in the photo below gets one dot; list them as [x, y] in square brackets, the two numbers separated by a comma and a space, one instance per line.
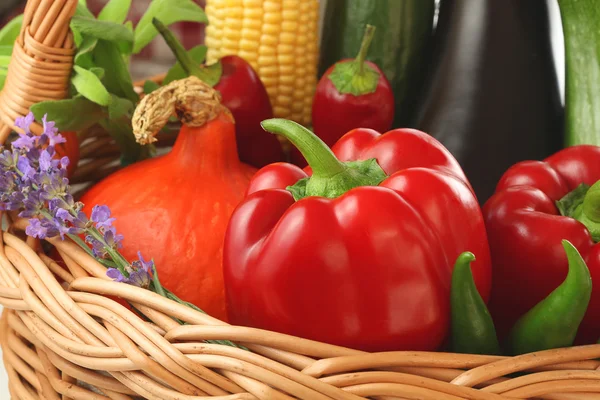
[559, 58]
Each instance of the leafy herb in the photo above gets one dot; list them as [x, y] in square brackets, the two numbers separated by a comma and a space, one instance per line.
[101, 87]
[61, 112]
[10, 31]
[117, 78]
[169, 11]
[89, 86]
[115, 11]
[83, 57]
[119, 107]
[150, 86]
[105, 30]
[4, 61]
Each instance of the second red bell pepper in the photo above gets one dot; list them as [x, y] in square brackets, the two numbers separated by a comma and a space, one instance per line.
[359, 249]
[537, 204]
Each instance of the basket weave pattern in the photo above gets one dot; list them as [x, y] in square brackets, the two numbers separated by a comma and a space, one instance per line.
[41, 62]
[61, 335]
[64, 337]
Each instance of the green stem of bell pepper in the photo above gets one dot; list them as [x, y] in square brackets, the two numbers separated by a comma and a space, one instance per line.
[554, 321]
[473, 330]
[581, 27]
[583, 204]
[330, 177]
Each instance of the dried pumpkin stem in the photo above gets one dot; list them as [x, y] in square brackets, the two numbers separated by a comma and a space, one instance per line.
[191, 100]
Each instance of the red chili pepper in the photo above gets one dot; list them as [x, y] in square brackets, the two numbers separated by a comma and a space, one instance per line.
[246, 97]
[359, 252]
[353, 93]
[244, 94]
[537, 204]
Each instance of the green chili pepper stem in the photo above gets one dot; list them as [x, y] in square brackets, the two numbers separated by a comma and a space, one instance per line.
[591, 204]
[583, 204]
[364, 47]
[472, 329]
[330, 177]
[320, 157]
[554, 321]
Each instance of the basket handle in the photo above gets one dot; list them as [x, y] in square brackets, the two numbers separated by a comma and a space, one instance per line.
[41, 62]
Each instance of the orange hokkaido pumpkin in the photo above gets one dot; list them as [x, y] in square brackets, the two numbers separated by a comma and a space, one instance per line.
[175, 208]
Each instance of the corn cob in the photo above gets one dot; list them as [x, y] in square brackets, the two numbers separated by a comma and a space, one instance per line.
[279, 38]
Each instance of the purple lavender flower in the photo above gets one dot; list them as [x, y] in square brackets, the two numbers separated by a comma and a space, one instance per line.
[101, 216]
[112, 238]
[139, 273]
[64, 162]
[56, 188]
[115, 275]
[25, 122]
[47, 162]
[33, 204]
[51, 132]
[14, 201]
[24, 166]
[41, 228]
[63, 215]
[8, 159]
[98, 248]
[25, 142]
[81, 221]
[36, 229]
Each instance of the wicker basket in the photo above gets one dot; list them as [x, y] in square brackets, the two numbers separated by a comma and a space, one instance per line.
[62, 338]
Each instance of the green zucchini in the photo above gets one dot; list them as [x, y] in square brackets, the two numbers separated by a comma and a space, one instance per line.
[581, 26]
[400, 48]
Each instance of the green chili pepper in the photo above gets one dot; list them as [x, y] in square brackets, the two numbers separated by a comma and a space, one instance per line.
[473, 329]
[554, 321]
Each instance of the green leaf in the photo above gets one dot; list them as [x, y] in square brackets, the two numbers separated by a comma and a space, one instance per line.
[10, 32]
[115, 11]
[169, 11]
[117, 78]
[2, 80]
[99, 72]
[82, 10]
[89, 86]
[198, 54]
[211, 73]
[6, 50]
[119, 107]
[129, 25]
[4, 61]
[104, 30]
[83, 58]
[150, 86]
[131, 151]
[73, 114]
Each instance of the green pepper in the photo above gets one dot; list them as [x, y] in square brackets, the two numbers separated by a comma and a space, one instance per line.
[554, 321]
[473, 329]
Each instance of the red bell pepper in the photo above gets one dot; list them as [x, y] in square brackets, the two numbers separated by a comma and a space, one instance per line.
[537, 204]
[359, 251]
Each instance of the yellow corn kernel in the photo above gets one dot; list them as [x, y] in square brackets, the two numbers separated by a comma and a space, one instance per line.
[279, 38]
